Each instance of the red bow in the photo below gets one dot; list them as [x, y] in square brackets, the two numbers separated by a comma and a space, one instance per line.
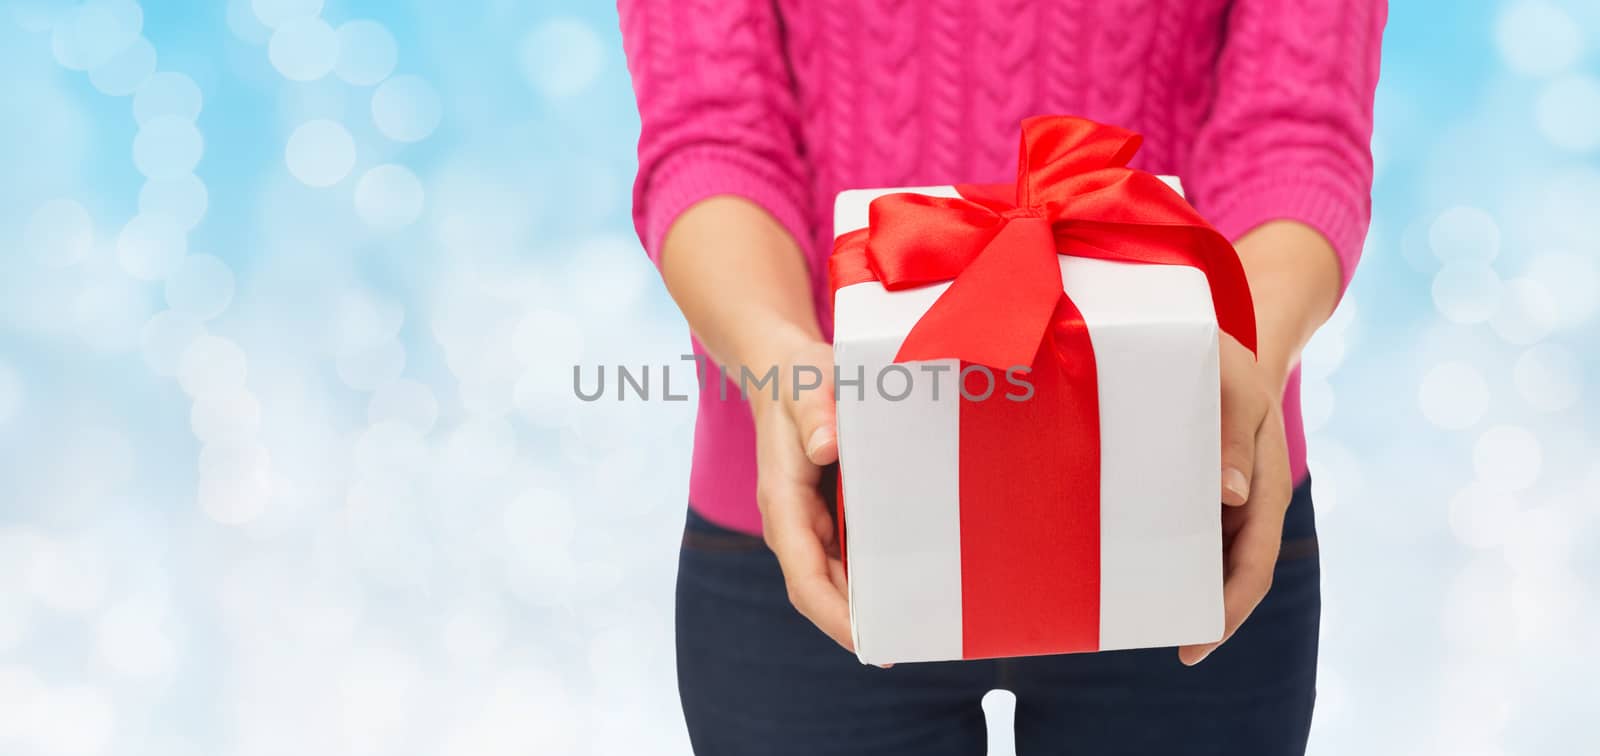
[1074, 196]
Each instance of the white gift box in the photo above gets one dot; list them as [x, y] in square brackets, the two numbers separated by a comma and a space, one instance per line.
[1154, 333]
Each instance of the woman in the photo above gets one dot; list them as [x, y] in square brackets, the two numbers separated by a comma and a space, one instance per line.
[756, 113]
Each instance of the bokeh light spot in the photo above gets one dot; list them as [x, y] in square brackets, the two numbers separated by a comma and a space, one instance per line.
[234, 501]
[388, 449]
[64, 48]
[212, 365]
[68, 576]
[367, 53]
[133, 639]
[1466, 292]
[1416, 249]
[1526, 314]
[95, 31]
[325, 99]
[151, 246]
[244, 24]
[246, 459]
[1479, 515]
[1507, 458]
[320, 153]
[167, 93]
[165, 337]
[539, 519]
[406, 108]
[122, 73]
[1568, 113]
[275, 13]
[37, 16]
[108, 311]
[389, 197]
[167, 147]
[1549, 377]
[1537, 38]
[1573, 282]
[201, 286]
[361, 318]
[561, 57]
[549, 339]
[235, 482]
[304, 49]
[404, 401]
[365, 368]
[1464, 235]
[1453, 395]
[107, 451]
[481, 446]
[183, 199]
[221, 418]
[1539, 544]
[59, 232]
[607, 275]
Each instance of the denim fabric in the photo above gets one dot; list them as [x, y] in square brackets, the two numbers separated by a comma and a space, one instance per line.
[755, 677]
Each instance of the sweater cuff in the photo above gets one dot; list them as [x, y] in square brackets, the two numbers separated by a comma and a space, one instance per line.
[699, 173]
[1331, 211]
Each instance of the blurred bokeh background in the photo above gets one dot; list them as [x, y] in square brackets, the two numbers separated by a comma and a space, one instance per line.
[289, 462]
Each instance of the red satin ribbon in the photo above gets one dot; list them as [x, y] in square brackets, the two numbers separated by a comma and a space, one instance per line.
[1030, 471]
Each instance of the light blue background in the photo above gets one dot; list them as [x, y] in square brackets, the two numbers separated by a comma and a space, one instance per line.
[288, 458]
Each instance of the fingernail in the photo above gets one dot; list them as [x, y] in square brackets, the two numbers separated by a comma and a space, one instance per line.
[1235, 482]
[1201, 657]
[819, 437]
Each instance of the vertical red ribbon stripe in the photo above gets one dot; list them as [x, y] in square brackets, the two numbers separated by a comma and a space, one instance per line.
[1030, 506]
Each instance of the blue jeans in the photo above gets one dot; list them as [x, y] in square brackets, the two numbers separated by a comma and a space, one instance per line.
[755, 677]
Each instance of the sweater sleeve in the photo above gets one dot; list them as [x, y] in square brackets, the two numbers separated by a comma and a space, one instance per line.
[1290, 128]
[717, 111]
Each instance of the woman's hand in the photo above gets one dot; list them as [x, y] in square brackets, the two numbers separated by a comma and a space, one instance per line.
[1294, 282]
[1256, 486]
[744, 287]
[795, 438]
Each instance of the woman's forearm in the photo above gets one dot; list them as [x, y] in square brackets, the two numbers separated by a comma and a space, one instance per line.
[1294, 280]
[741, 281]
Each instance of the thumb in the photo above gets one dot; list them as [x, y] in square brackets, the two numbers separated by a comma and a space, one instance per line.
[814, 416]
[1240, 419]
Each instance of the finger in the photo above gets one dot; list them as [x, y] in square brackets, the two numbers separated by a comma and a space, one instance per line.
[1250, 566]
[827, 530]
[1241, 418]
[837, 575]
[1253, 554]
[806, 571]
[814, 415]
[1249, 577]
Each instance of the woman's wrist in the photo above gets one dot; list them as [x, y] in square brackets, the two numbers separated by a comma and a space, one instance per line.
[1294, 281]
[1274, 368]
[776, 343]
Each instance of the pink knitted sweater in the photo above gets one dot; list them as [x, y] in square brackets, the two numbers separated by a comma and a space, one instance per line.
[1262, 107]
